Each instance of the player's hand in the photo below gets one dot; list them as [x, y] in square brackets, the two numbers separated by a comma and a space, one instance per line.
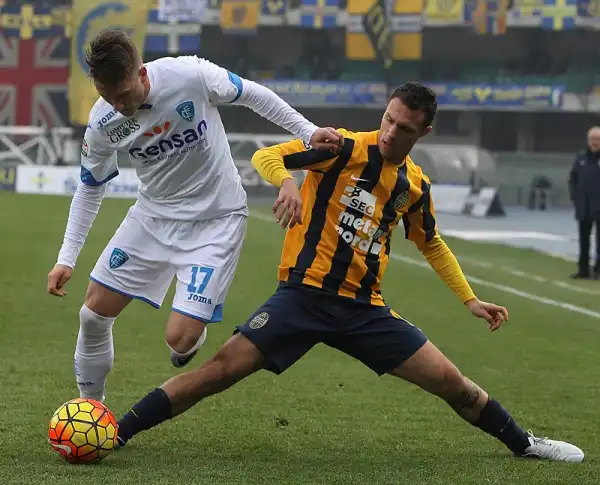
[495, 315]
[288, 206]
[327, 139]
[57, 279]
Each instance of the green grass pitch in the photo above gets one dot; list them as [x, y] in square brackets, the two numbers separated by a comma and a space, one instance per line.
[327, 420]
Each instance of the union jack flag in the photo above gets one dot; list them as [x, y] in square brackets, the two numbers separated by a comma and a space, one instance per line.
[33, 81]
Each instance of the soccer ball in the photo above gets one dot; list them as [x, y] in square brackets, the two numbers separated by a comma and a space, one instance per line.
[83, 431]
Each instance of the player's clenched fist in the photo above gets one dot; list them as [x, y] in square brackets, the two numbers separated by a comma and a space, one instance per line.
[57, 279]
[288, 206]
[327, 139]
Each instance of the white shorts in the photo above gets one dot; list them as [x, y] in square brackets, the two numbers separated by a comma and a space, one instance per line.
[145, 254]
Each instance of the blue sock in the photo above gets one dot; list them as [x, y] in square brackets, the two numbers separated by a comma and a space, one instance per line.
[152, 410]
[496, 421]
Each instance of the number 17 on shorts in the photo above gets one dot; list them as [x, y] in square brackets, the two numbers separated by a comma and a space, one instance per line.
[198, 293]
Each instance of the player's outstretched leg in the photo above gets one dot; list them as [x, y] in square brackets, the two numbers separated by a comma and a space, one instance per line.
[94, 353]
[184, 336]
[432, 371]
[237, 359]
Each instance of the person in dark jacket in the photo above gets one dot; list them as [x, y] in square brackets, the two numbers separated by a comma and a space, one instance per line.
[584, 190]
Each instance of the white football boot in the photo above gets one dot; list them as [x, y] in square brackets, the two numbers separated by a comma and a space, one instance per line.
[547, 449]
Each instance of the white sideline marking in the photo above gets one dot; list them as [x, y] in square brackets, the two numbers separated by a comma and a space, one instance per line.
[540, 279]
[479, 281]
[503, 235]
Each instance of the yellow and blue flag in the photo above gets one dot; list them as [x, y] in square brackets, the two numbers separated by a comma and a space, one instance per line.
[317, 14]
[240, 16]
[407, 38]
[27, 21]
[559, 14]
[405, 25]
[90, 17]
[276, 8]
[171, 37]
[445, 12]
[488, 16]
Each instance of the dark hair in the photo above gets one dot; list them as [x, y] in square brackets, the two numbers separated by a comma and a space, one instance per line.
[112, 57]
[416, 96]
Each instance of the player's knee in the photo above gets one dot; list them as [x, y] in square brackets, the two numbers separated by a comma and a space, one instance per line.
[183, 338]
[94, 330]
[222, 368]
[237, 359]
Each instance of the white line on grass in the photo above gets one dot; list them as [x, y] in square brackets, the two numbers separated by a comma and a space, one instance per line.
[478, 281]
[530, 276]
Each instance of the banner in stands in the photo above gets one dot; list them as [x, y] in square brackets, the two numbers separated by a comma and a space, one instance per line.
[64, 180]
[499, 95]
[30, 179]
[8, 177]
[329, 93]
[90, 17]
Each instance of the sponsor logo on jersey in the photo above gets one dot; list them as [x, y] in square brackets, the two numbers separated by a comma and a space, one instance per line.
[359, 199]
[158, 129]
[171, 145]
[361, 233]
[85, 149]
[186, 110]
[123, 130]
[106, 118]
[118, 258]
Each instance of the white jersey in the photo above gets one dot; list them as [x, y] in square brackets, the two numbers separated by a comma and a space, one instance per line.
[176, 142]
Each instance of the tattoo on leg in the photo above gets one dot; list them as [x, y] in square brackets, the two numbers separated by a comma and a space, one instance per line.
[467, 399]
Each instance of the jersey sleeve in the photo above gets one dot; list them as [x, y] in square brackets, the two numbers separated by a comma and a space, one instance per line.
[298, 155]
[222, 85]
[98, 159]
[420, 227]
[419, 222]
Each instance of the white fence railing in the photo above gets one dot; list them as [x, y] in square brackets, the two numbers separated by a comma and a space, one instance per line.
[33, 145]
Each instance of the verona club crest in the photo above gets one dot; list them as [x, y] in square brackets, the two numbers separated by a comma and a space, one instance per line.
[186, 110]
[402, 199]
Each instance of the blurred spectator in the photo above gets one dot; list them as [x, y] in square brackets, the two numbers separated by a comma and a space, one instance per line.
[584, 190]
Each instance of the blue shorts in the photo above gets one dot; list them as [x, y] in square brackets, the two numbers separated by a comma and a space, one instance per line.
[297, 317]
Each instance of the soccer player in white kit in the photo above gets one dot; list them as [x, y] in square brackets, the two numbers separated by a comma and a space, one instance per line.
[189, 219]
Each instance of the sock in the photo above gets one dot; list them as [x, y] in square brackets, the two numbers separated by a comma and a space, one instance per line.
[196, 346]
[94, 354]
[152, 410]
[496, 421]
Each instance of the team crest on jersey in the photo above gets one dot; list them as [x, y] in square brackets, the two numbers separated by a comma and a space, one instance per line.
[118, 258]
[259, 321]
[401, 199]
[186, 110]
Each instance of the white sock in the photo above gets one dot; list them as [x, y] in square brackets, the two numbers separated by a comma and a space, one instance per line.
[196, 346]
[94, 354]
